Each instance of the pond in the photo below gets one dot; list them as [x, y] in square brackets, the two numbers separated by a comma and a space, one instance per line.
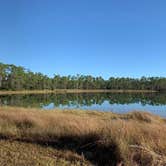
[115, 102]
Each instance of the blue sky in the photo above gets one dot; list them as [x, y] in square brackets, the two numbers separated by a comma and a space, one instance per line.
[97, 37]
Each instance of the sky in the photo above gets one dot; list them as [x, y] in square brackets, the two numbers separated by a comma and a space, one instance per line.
[120, 38]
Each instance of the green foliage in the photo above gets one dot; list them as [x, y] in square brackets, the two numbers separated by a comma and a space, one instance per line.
[18, 78]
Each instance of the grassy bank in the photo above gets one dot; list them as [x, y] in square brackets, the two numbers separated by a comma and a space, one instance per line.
[73, 91]
[36, 137]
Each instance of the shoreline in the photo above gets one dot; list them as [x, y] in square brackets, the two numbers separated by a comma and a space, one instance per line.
[61, 91]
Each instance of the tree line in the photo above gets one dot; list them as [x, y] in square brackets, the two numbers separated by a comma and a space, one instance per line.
[18, 78]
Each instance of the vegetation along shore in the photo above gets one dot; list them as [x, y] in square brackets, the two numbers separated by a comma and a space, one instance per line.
[59, 91]
[37, 137]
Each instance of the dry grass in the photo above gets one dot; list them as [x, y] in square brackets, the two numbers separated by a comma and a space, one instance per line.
[14, 153]
[7, 92]
[136, 138]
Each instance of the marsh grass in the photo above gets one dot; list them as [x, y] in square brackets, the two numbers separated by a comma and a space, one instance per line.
[99, 138]
[59, 91]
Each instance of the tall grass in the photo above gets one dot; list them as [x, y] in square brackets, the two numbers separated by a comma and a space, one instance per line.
[136, 138]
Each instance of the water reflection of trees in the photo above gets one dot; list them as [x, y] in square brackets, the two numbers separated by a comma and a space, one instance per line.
[82, 99]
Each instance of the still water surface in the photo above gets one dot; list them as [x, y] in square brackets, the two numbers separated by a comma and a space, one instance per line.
[115, 102]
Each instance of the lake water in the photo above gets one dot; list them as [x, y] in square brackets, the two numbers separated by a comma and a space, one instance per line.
[115, 102]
